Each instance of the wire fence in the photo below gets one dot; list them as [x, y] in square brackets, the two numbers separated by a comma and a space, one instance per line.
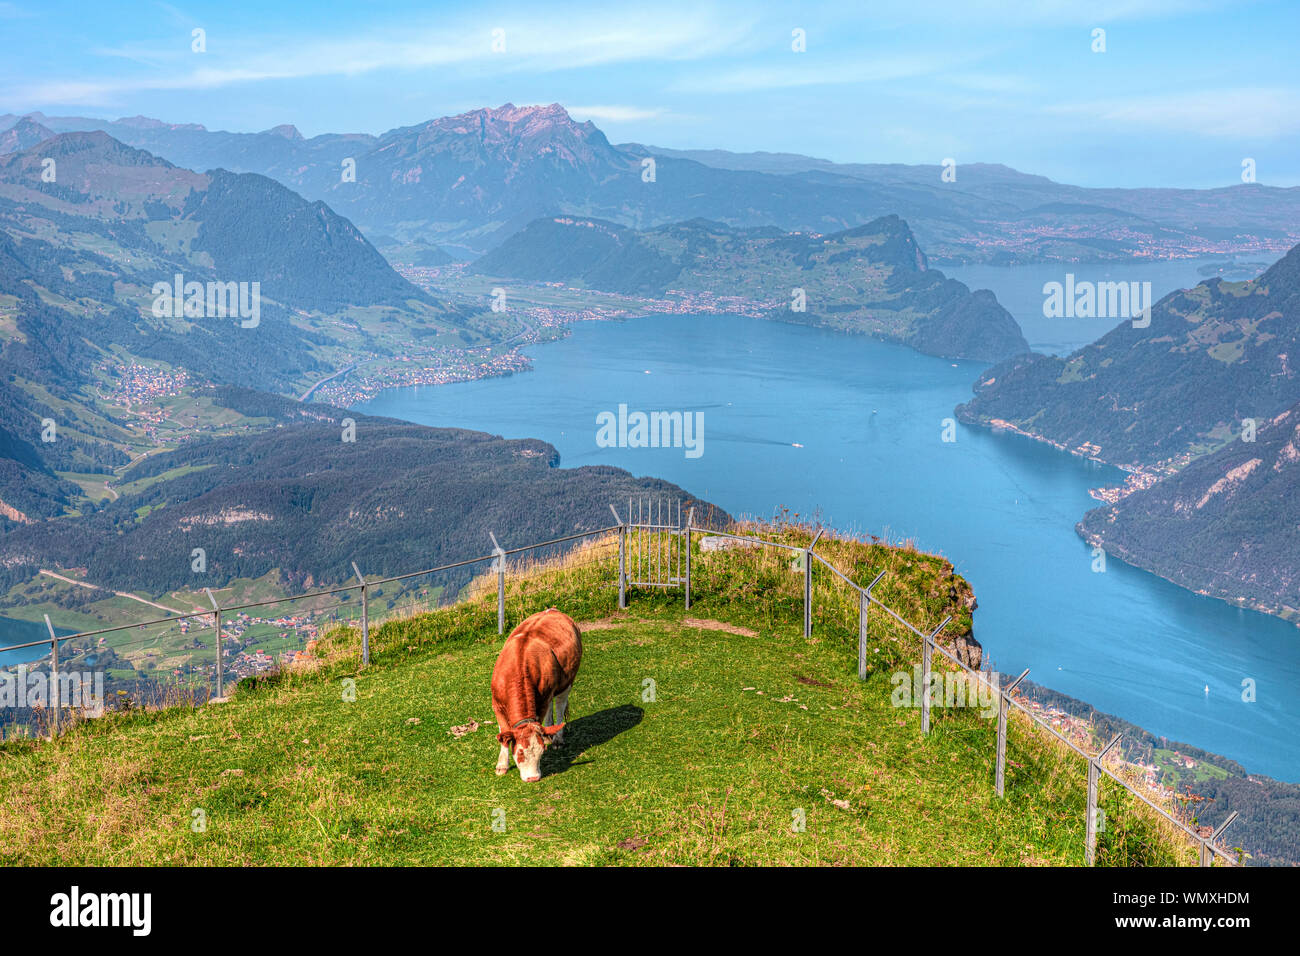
[195, 655]
[841, 602]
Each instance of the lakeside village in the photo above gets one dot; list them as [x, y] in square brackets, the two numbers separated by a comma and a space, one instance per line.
[242, 661]
[436, 366]
[1078, 731]
[445, 366]
[1137, 477]
[140, 389]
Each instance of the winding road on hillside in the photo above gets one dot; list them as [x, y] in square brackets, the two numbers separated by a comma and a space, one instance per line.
[124, 594]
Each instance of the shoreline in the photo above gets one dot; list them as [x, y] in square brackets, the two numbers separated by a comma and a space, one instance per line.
[561, 322]
[1244, 604]
[1139, 478]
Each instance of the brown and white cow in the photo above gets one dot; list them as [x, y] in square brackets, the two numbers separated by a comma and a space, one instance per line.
[536, 666]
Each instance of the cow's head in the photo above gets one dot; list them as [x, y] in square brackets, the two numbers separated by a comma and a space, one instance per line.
[527, 742]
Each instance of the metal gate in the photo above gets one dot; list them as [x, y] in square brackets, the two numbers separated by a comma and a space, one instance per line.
[657, 546]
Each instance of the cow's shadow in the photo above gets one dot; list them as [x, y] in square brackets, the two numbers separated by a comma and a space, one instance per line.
[584, 733]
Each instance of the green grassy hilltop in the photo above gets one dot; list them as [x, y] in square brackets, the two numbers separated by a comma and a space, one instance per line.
[718, 736]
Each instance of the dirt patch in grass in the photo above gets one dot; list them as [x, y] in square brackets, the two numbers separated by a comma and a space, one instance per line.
[718, 626]
[811, 682]
[603, 624]
[613, 621]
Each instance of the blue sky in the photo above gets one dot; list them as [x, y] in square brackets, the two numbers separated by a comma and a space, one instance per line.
[1183, 93]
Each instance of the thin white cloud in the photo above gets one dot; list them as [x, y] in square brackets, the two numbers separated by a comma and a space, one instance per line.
[615, 114]
[1037, 13]
[992, 82]
[1243, 113]
[938, 144]
[535, 45]
[177, 15]
[799, 70]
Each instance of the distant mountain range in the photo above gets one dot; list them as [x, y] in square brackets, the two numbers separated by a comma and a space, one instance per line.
[470, 181]
[872, 279]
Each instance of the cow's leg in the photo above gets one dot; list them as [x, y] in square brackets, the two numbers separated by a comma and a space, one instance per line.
[503, 761]
[503, 758]
[561, 711]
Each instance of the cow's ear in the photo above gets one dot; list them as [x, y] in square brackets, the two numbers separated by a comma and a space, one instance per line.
[506, 738]
[552, 731]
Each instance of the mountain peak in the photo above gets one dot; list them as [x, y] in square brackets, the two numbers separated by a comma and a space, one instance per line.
[98, 145]
[898, 245]
[24, 134]
[511, 113]
[95, 164]
[504, 142]
[509, 119]
[286, 131]
[148, 122]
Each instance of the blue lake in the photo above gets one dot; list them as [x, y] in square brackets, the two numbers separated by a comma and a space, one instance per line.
[15, 631]
[1002, 508]
[1020, 290]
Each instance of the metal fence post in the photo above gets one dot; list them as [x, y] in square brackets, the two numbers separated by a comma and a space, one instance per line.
[656, 541]
[54, 678]
[807, 584]
[221, 667]
[365, 617]
[1206, 854]
[864, 609]
[927, 655]
[1094, 770]
[925, 686]
[1004, 702]
[690, 517]
[1090, 846]
[622, 557]
[807, 593]
[863, 602]
[501, 584]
